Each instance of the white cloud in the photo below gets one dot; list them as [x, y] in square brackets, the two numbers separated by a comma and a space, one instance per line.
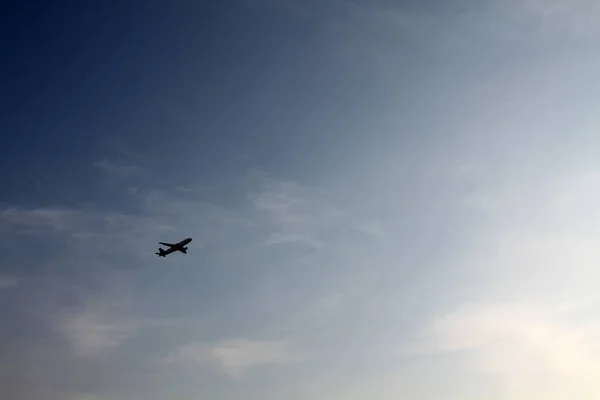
[280, 238]
[92, 332]
[235, 357]
[540, 352]
[541, 236]
[530, 275]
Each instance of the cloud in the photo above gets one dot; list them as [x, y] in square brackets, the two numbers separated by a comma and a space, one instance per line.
[285, 203]
[526, 317]
[8, 281]
[122, 150]
[575, 17]
[527, 21]
[235, 357]
[300, 214]
[341, 247]
[543, 351]
[448, 29]
[91, 232]
[30, 219]
[374, 228]
[115, 170]
[535, 238]
[280, 238]
[98, 293]
[99, 328]
[92, 332]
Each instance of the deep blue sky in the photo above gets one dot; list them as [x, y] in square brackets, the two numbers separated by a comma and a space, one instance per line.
[388, 199]
[193, 87]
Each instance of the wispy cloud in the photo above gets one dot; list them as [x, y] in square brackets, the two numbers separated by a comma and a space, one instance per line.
[574, 17]
[280, 238]
[92, 332]
[449, 28]
[8, 282]
[307, 216]
[299, 214]
[106, 292]
[124, 151]
[286, 203]
[57, 218]
[99, 328]
[120, 171]
[235, 357]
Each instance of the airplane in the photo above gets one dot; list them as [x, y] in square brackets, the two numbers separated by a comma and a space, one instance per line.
[173, 247]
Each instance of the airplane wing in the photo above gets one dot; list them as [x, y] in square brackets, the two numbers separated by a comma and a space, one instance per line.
[167, 244]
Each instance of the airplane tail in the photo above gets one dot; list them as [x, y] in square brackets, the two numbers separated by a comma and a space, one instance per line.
[161, 253]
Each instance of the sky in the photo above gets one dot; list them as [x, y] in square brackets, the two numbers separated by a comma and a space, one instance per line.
[387, 199]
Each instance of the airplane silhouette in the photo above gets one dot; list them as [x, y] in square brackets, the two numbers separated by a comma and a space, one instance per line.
[173, 247]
